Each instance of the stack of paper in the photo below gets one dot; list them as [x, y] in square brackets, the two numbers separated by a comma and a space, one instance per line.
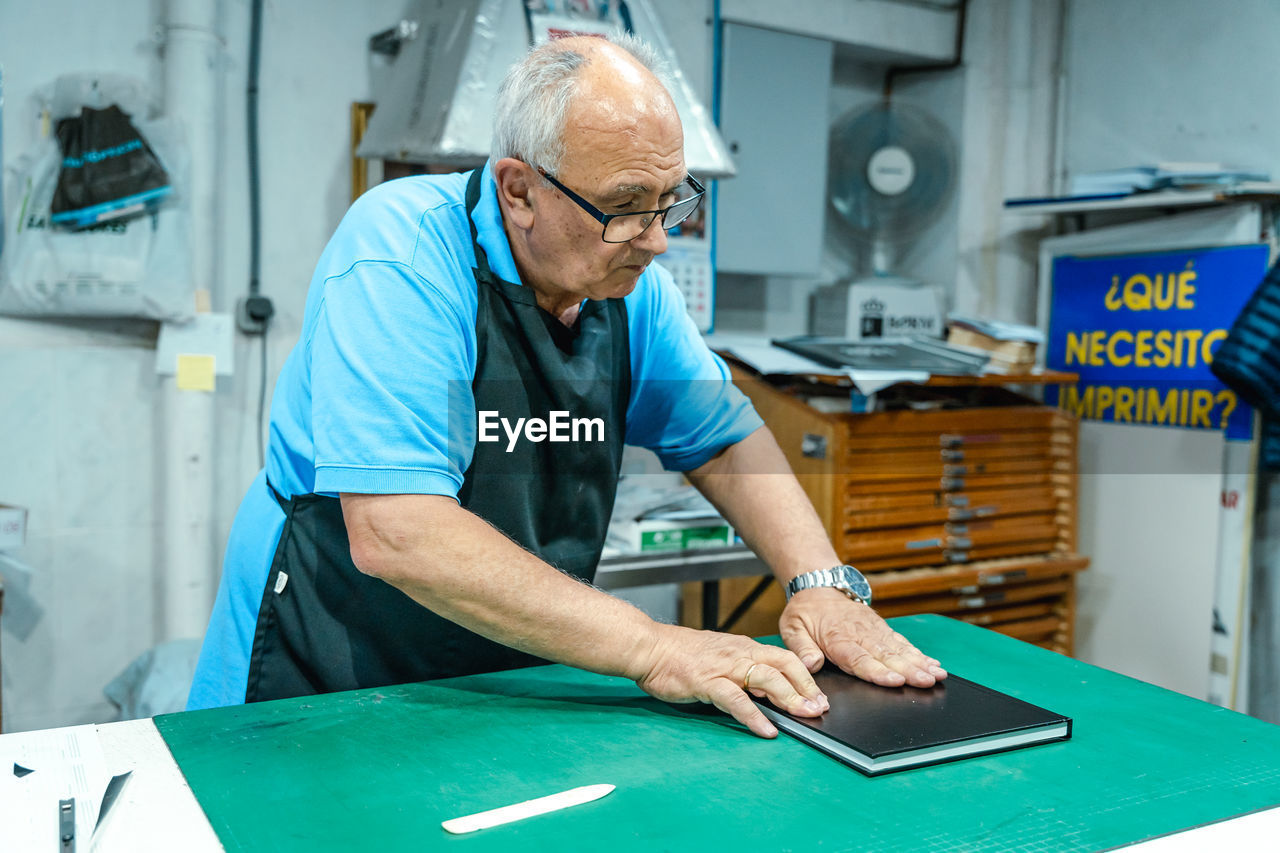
[1011, 346]
[1114, 181]
[1162, 176]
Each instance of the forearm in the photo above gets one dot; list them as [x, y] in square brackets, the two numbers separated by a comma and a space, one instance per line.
[457, 565]
[753, 487]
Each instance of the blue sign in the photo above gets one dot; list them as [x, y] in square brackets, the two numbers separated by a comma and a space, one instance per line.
[1141, 330]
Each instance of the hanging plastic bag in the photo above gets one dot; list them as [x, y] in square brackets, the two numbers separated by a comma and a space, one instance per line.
[108, 170]
[131, 268]
[137, 267]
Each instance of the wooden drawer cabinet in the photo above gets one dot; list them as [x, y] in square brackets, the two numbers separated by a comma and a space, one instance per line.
[968, 512]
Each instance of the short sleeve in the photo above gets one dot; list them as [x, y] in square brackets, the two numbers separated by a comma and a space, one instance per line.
[391, 361]
[684, 405]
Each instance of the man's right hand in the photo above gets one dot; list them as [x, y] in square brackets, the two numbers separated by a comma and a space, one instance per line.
[684, 665]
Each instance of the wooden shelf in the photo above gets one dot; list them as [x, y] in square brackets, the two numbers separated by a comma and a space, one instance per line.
[1040, 377]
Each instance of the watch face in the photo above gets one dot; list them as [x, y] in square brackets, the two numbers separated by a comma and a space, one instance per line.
[857, 583]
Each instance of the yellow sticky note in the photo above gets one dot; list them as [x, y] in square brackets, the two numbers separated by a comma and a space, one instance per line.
[195, 372]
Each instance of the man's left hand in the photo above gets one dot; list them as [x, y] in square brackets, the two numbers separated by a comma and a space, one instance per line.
[825, 623]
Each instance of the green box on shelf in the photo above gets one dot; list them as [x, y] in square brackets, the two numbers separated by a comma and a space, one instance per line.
[656, 535]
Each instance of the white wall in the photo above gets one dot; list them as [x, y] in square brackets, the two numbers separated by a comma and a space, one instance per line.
[79, 420]
[1176, 80]
[1154, 80]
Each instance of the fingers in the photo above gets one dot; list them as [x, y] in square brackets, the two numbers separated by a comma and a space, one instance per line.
[802, 643]
[856, 639]
[856, 659]
[899, 655]
[728, 697]
[885, 658]
[785, 682]
[794, 674]
[913, 657]
[789, 687]
[718, 668]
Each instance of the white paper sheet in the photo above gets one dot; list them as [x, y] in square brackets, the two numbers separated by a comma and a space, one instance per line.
[65, 763]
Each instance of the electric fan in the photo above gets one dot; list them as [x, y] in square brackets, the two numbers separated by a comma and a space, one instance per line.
[890, 174]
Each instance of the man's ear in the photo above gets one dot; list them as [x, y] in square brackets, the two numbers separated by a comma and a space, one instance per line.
[515, 179]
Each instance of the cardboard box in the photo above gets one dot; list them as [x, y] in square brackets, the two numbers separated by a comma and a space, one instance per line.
[13, 527]
[882, 307]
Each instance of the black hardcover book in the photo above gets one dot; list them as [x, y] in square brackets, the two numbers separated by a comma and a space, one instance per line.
[882, 729]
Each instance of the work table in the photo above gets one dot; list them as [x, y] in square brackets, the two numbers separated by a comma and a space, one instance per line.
[380, 769]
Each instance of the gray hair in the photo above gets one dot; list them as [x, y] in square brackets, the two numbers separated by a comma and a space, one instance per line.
[534, 99]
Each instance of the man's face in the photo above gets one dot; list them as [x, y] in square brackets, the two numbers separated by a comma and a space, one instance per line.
[621, 157]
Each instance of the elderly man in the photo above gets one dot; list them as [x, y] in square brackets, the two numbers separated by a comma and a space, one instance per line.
[414, 521]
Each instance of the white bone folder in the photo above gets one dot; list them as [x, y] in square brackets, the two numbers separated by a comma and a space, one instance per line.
[528, 808]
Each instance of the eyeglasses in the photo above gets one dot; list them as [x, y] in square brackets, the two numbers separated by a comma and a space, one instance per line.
[625, 227]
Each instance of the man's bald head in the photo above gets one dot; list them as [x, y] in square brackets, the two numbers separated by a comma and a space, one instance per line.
[574, 80]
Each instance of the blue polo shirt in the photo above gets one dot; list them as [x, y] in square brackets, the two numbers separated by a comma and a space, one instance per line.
[368, 400]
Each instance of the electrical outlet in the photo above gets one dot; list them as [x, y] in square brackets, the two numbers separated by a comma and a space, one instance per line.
[253, 314]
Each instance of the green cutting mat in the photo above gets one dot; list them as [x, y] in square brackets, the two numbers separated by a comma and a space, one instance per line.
[380, 769]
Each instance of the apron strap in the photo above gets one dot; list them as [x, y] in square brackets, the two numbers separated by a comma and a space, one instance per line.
[481, 269]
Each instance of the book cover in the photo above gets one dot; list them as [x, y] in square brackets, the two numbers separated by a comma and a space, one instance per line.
[887, 354]
[884, 729]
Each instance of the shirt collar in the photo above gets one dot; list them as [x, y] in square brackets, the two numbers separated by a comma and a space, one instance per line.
[489, 231]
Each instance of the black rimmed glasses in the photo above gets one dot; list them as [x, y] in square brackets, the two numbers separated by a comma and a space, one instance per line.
[625, 227]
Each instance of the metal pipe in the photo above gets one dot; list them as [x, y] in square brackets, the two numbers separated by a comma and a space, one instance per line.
[186, 573]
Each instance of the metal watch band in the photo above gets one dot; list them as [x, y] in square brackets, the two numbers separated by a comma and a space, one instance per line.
[836, 577]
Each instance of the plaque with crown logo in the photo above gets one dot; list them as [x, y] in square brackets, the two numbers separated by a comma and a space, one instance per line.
[876, 308]
[872, 324]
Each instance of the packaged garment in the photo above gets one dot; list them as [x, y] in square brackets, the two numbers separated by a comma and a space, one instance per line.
[136, 267]
[108, 170]
[118, 265]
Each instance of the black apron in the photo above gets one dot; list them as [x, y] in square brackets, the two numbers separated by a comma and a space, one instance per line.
[324, 626]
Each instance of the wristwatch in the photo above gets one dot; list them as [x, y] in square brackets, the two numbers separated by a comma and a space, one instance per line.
[847, 579]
